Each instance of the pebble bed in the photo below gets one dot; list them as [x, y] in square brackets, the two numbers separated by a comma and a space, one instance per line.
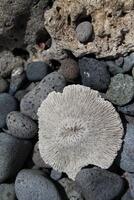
[23, 173]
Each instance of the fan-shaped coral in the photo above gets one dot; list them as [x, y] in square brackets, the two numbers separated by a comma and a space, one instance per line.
[77, 128]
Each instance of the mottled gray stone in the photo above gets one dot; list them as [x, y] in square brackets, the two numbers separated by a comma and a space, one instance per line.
[94, 73]
[130, 179]
[119, 61]
[8, 62]
[36, 157]
[36, 71]
[21, 126]
[55, 175]
[17, 79]
[121, 89]
[13, 154]
[130, 119]
[31, 184]
[3, 85]
[71, 189]
[33, 99]
[7, 192]
[84, 31]
[69, 69]
[127, 196]
[127, 155]
[99, 184]
[7, 104]
[114, 68]
[128, 62]
[127, 109]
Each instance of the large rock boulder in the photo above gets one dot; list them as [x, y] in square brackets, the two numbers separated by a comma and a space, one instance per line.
[112, 21]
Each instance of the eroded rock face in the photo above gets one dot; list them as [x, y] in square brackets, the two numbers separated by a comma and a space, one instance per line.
[112, 20]
[13, 19]
[20, 21]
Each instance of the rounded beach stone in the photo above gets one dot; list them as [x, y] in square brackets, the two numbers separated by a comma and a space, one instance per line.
[13, 154]
[7, 192]
[18, 77]
[69, 69]
[70, 189]
[84, 31]
[121, 89]
[128, 62]
[127, 109]
[36, 71]
[130, 119]
[114, 68]
[38, 161]
[98, 184]
[94, 73]
[21, 126]
[127, 196]
[31, 184]
[33, 99]
[119, 61]
[55, 175]
[127, 155]
[130, 179]
[21, 93]
[133, 71]
[7, 104]
[3, 85]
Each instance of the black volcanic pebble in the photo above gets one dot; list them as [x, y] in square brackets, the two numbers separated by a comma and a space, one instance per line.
[13, 154]
[36, 71]
[127, 154]
[99, 184]
[32, 185]
[7, 104]
[94, 73]
[21, 126]
[32, 100]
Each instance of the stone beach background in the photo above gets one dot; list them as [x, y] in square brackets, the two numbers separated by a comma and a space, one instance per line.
[31, 67]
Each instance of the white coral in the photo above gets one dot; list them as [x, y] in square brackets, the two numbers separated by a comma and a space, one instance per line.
[77, 128]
